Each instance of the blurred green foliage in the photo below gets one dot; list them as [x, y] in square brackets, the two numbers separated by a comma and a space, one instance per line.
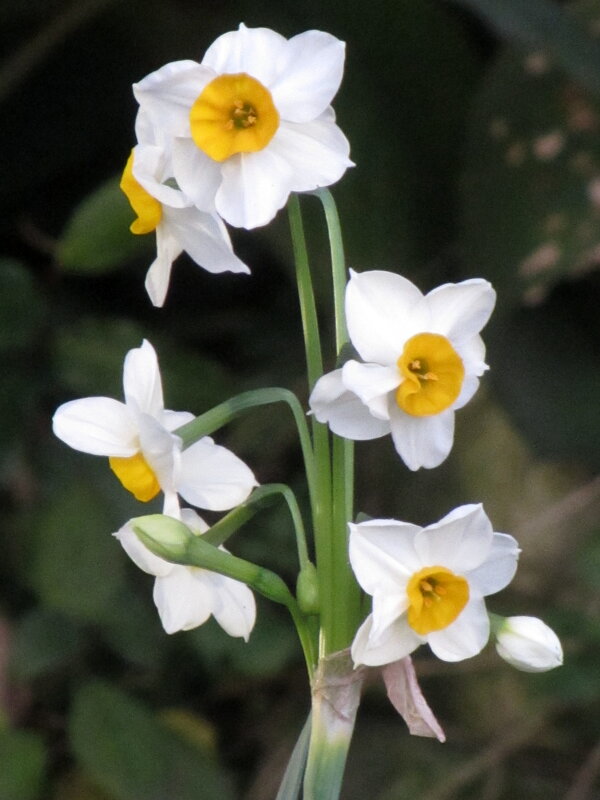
[476, 156]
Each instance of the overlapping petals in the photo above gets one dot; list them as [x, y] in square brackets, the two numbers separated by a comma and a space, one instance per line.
[412, 574]
[248, 180]
[138, 434]
[187, 596]
[422, 357]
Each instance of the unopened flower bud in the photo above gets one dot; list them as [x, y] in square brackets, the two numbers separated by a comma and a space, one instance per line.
[528, 644]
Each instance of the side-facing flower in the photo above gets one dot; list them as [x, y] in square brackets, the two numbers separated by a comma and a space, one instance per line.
[528, 644]
[178, 225]
[187, 596]
[428, 584]
[144, 453]
[423, 358]
[252, 122]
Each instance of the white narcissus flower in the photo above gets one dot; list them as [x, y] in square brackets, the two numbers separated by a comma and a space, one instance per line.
[528, 644]
[423, 358]
[187, 596]
[428, 584]
[143, 452]
[252, 122]
[177, 223]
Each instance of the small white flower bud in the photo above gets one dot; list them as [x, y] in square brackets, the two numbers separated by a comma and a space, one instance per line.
[528, 644]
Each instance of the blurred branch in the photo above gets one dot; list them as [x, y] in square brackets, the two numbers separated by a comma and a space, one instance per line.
[17, 66]
[585, 778]
[546, 25]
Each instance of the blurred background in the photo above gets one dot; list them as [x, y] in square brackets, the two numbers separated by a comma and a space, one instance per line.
[475, 128]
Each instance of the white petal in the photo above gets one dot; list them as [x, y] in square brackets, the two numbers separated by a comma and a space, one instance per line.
[193, 520]
[212, 477]
[161, 450]
[465, 637]
[310, 68]
[472, 353]
[254, 187]
[371, 383]
[167, 95]
[204, 238]
[382, 555]
[386, 609]
[345, 413]
[256, 51]
[172, 420]
[460, 310]
[467, 390]
[398, 643]
[141, 380]
[316, 152]
[159, 273]
[460, 541]
[183, 602]
[197, 175]
[499, 568]
[97, 425]
[140, 555]
[421, 441]
[234, 606]
[150, 170]
[383, 310]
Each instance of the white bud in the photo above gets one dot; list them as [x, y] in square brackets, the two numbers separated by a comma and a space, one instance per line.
[528, 644]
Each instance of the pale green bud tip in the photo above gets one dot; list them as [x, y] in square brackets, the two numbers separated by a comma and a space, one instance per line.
[165, 536]
[307, 590]
[528, 644]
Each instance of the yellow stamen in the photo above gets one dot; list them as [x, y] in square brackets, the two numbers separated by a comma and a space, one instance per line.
[433, 375]
[136, 476]
[148, 209]
[233, 114]
[436, 598]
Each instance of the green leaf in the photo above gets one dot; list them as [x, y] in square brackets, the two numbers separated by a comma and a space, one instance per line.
[22, 306]
[531, 188]
[44, 641]
[294, 774]
[97, 238]
[134, 756]
[77, 565]
[22, 765]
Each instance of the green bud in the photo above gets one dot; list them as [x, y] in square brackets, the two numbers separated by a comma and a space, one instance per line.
[164, 536]
[307, 590]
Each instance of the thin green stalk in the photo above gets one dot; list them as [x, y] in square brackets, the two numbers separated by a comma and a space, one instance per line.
[321, 501]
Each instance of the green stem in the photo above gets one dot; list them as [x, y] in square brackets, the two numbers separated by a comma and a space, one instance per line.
[321, 500]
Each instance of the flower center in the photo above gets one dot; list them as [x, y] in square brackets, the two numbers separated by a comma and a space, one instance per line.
[148, 209]
[436, 597]
[433, 375]
[136, 476]
[233, 114]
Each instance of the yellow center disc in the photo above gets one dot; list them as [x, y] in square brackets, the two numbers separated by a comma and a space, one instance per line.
[433, 375]
[436, 596]
[234, 114]
[136, 476]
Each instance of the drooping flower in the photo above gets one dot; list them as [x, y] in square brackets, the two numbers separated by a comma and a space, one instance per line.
[428, 584]
[422, 355]
[528, 644]
[252, 122]
[144, 453]
[178, 225]
[187, 596]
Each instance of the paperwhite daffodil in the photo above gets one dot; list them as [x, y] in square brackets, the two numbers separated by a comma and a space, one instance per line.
[143, 452]
[177, 223]
[528, 644]
[428, 584]
[252, 122]
[187, 596]
[423, 357]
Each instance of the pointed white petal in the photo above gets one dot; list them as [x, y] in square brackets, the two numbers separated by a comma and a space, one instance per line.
[499, 568]
[254, 187]
[150, 169]
[382, 555]
[421, 441]
[383, 310]
[97, 425]
[234, 606]
[212, 477]
[310, 71]
[460, 310]
[161, 449]
[182, 601]
[197, 175]
[387, 608]
[141, 380]
[140, 555]
[465, 637]
[399, 641]
[372, 383]
[257, 51]
[172, 420]
[460, 541]
[159, 273]
[343, 411]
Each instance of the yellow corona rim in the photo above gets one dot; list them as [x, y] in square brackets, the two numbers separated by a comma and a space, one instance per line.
[433, 375]
[436, 598]
[147, 208]
[234, 114]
